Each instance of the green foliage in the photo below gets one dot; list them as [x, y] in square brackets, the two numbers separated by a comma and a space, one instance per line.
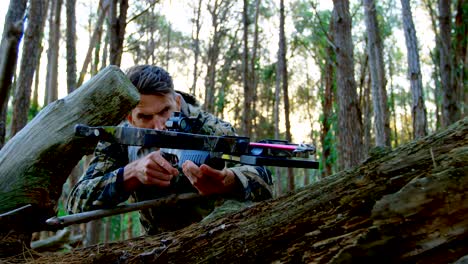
[228, 75]
[312, 29]
[267, 8]
[265, 128]
[388, 17]
[149, 40]
[33, 111]
[268, 73]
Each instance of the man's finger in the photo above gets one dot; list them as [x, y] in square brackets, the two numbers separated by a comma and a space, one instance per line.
[213, 173]
[159, 160]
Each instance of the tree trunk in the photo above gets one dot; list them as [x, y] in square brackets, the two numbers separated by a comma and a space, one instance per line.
[246, 73]
[409, 205]
[450, 110]
[118, 25]
[253, 71]
[35, 93]
[349, 116]
[377, 72]
[461, 54]
[414, 72]
[282, 77]
[12, 33]
[326, 133]
[71, 45]
[53, 52]
[435, 63]
[11, 37]
[196, 46]
[3, 122]
[31, 53]
[102, 9]
[327, 106]
[212, 57]
[35, 163]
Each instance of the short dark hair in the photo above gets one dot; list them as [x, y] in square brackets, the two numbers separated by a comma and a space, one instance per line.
[149, 79]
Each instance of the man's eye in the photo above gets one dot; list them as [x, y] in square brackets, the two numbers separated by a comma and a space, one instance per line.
[146, 117]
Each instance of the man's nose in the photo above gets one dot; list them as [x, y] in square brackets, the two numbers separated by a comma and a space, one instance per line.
[159, 124]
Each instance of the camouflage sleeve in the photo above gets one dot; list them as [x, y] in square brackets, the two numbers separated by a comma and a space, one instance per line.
[256, 181]
[102, 184]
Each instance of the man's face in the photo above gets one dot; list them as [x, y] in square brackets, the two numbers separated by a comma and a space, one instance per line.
[154, 110]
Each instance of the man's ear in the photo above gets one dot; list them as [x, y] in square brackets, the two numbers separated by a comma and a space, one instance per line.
[178, 98]
[130, 118]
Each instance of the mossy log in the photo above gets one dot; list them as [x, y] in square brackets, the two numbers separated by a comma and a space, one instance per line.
[408, 205]
[35, 163]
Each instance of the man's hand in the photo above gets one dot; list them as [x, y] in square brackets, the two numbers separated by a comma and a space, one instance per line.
[153, 169]
[208, 180]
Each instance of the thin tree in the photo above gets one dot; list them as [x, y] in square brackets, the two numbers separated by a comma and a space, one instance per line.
[435, 58]
[11, 37]
[102, 9]
[327, 104]
[391, 73]
[35, 94]
[248, 68]
[31, 49]
[253, 62]
[414, 72]
[71, 45]
[349, 113]
[117, 32]
[450, 109]
[53, 52]
[196, 46]
[461, 54]
[247, 110]
[282, 84]
[377, 72]
[219, 11]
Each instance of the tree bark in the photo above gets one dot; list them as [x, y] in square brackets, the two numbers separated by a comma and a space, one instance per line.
[435, 62]
[246, 127]
[327, 106]
[11, 37]
[377, 72]
[71, 45]
[12, 33]
[414, 72]
[216, 12]
[102, 10]
[253, 70]
[450, 109]
[53, 52]
[35, 163]
[408, 205]
[350, 151]
[118, 25]
[31, 49]
[461, 54]
[196, 45]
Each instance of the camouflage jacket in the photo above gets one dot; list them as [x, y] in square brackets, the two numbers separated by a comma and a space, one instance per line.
[102, 184]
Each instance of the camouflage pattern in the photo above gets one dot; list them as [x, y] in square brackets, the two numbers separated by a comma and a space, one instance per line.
[102, 184]
[165, 139]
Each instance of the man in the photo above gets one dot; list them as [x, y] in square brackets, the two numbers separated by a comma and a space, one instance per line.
[117, 172]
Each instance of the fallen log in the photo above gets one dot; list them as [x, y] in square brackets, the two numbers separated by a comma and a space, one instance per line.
[408, 205]
[36, 162]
